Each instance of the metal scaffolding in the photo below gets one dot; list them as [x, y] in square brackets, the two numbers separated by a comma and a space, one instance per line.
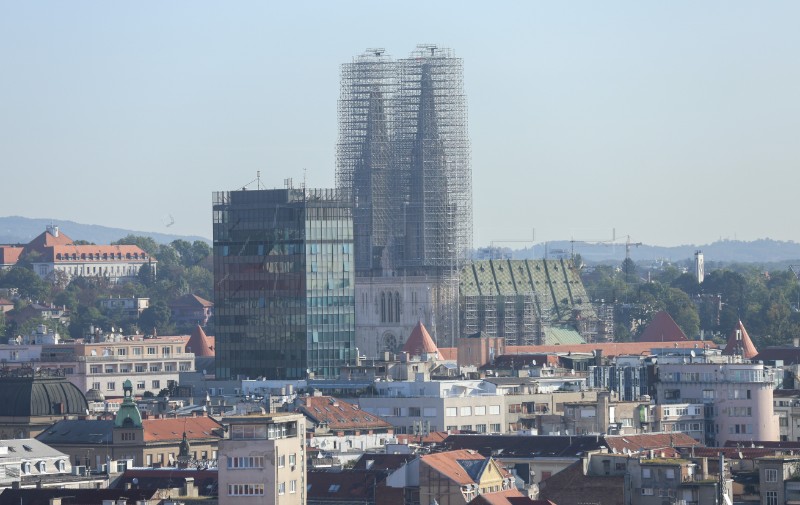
[365, 170]
[403, 161]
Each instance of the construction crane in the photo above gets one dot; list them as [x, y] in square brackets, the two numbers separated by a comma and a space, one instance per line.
[628, 245]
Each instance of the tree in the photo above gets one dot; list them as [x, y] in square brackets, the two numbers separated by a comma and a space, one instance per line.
[146, 244]
[155, 318]
[28, 284]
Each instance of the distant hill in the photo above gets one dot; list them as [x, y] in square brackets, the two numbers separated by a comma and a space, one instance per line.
[726, 251]
[20, 230]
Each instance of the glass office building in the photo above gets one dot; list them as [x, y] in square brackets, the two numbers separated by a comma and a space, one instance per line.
[284, 302]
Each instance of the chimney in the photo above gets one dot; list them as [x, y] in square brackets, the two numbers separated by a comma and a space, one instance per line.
[598, 357]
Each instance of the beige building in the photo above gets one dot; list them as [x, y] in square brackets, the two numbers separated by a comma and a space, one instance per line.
[105, 361]
[457, 477]
[263, 460]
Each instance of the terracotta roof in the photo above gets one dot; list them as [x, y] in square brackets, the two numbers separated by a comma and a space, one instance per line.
[199, 343]
[609, 349]
[739, 343]
[450, 464]
[338, 414]
[647, 441]
[502, 497]
[9, 254]
[171, 429]
[47, 239]
[662, 329]
[448, 353]
[191, 300]
[84, 253]
[420, 342]
[434, 437]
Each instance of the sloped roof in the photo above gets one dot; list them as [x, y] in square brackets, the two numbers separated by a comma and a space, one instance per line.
[609, 349]
[91, 496]
[9, 254]
[562, 336]
[504, 497]
[338, 414]
[382, 461]
[346, 486]
[739, 343]
[78, 431]
[525, 446]
[163, 430]
[790, 355]
[449, 464]
[191, 301]
[200, 344]
[663, 329]
[647, 441]
[420, 342]
[46, 240]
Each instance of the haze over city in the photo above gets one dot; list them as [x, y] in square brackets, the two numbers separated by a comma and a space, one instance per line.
[671, 123]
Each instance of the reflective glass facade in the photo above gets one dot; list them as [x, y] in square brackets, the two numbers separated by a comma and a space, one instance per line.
[283, 284]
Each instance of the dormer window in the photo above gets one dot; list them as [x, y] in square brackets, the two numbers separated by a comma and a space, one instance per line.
[41, 466]
[26, 468]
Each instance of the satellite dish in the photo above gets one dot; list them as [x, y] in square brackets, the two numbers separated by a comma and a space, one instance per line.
[533, 362]
[692, 353]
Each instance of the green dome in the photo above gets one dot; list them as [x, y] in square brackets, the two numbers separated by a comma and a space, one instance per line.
[33, 395]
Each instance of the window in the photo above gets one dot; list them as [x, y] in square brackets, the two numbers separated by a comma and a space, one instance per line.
[236, 462]
[292, 486]
[414, 412]
[646, 473]
[281, 461]
[121, 351]
[670, 473]
[140, 385]
[772, 498]
[141, 368]
[109, 369]
[137, 351]
[95, 369]
[494, 410]
[494, 428]
[451, 412]
[771, 474]
[111, 386]
[96, 385]
[466, 411]
[281, 488]
[151, 350]
[292, 459]
[647, 491]
[466, 427]
[480, 428]
[156, 384]
[245, 489]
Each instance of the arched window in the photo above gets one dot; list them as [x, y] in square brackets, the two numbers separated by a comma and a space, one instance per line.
[383, 307]
[396, 307]
[390, 310]
[26, 468]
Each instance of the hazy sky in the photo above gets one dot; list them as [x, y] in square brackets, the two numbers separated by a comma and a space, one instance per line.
[674, 122]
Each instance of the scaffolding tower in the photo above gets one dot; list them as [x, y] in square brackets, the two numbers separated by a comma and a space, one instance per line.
[365, 170]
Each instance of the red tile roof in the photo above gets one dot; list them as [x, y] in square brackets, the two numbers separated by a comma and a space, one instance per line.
[662, 329]
[171, 429]
[647, 441]
[739, 343]
[446, 463]
[339, 415]
[420, 342]
[191, 301]
[200, 344]
[505, 497]
[84, 253]
[449, 353]
[9, 254]
[609, 349]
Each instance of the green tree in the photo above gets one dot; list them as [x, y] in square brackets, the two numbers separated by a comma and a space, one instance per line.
[28, 284]
[156, 318]
[147, 244]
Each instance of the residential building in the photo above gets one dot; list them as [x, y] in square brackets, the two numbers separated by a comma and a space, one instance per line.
[284, 280]
[27, 463]
[737, 395]
[131, 307]
[457, 477]
[104, 361]
[263, 460]
[778, 483]
[786, 405]
[341, 428]
[191, 310]
[132, 437]
[55, 256]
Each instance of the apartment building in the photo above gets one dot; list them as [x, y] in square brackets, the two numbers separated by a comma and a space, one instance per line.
[737, 395]
[104, 362]
[263, 460]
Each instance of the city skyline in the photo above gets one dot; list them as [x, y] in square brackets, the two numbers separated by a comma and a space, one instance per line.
[668, 123]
